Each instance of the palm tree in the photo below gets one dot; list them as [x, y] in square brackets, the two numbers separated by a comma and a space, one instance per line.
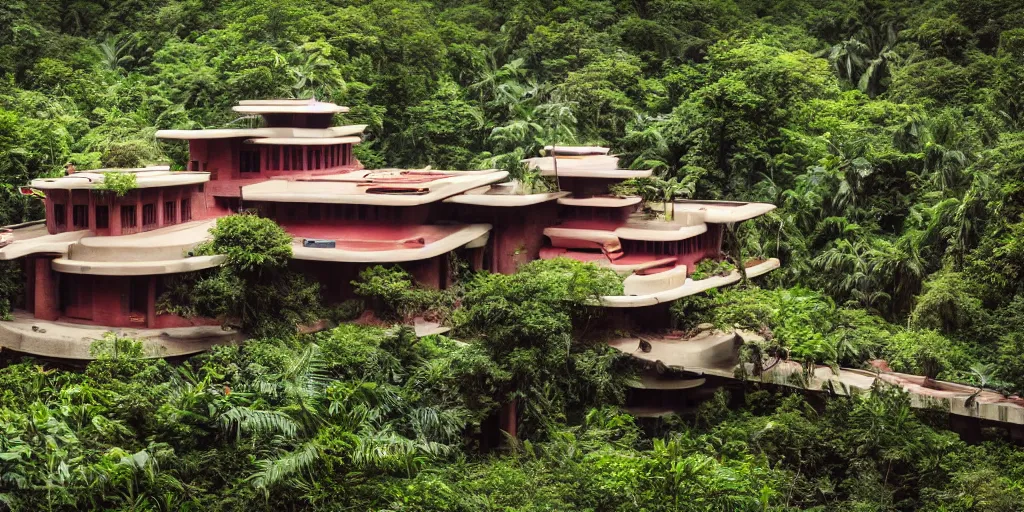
[669, 190]
[559, 125]
[115, 50]
[314, 74]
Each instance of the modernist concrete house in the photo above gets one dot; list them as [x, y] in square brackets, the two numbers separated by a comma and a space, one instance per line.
[99, 260]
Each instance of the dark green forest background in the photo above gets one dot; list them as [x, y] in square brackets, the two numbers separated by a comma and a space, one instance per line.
[889, 133]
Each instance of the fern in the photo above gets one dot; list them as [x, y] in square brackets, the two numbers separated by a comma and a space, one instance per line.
[275, 471]
[241, 420]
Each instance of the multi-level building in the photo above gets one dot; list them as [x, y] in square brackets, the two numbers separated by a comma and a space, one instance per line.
[100, 260]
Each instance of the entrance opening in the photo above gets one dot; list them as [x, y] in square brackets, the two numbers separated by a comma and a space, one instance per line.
[138, 303]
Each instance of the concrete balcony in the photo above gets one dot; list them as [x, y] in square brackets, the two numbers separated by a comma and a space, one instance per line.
[73, 341]
[669, 288]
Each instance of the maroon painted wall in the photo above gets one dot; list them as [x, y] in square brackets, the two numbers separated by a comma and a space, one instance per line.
[93, 201]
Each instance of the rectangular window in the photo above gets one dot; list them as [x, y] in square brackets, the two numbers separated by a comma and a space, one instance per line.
[275, 157]
[128, 220]
[80, 216]
[60, 215]
[102, 217]
[249, 161]
[186, 210]
[297, 159]
[287, 158]
[170, 213]
[148, 215]
[195, 165]
[313, 212]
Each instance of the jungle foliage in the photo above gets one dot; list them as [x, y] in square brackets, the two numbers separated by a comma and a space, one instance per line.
[888, 132]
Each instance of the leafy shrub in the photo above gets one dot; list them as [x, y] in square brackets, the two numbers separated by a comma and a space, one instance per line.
[394, 295]
[250, 242]
[118, 183]
[254, 288]
[806, 323]
[948, 304]
[710, 267]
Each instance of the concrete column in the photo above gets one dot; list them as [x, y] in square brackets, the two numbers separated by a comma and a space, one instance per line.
[151, 303]
[160, 208]
[68, 211]
[29, 266]
[45, 303]
[138, 211]
[114, 217]
[477, 258]
[92, 211]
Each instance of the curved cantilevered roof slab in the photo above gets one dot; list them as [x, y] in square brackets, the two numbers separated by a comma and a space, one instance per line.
[279, 132]
[385, 243]
[689, 287]
[707, 349]
[33, 238]
[575, 150]
[287, 106]
[502, 196]
[381, 188]
[634, 228]
[145, 177]
[161, 251]
[595, 166]
[650, 382]
[306, 141]
[723, 212]
[601, 201]
[74, 341]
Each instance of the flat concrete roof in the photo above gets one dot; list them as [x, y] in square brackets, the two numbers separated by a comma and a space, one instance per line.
[33, 238]
[306, 141]
[74, 341]
[716, 353]
[601, 201]
[575, 150]
[634, 228]
[690, 287]
[501, 195]
[723, 212]
[287, 106]
[385, 243]
[382, 188]
[589, 166]
[145, 177]
[280, 132]
[156, 252]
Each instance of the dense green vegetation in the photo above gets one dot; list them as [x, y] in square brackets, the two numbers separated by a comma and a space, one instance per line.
[888, 132]
[364, 418]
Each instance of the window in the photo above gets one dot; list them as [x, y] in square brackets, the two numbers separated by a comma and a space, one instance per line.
[313, 212]
[170, 214]
[128, 220]
[186, 210]
[313, 156]
[148, 215]
[195, 165]
[249, 161]
[287, 158]
[60, 215]
[275, 157]
[102, 217]
[80, 216]
[297, 159]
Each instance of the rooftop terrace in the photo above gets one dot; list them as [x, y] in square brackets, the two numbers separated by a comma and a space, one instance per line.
[381, 187]
[145, 177]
